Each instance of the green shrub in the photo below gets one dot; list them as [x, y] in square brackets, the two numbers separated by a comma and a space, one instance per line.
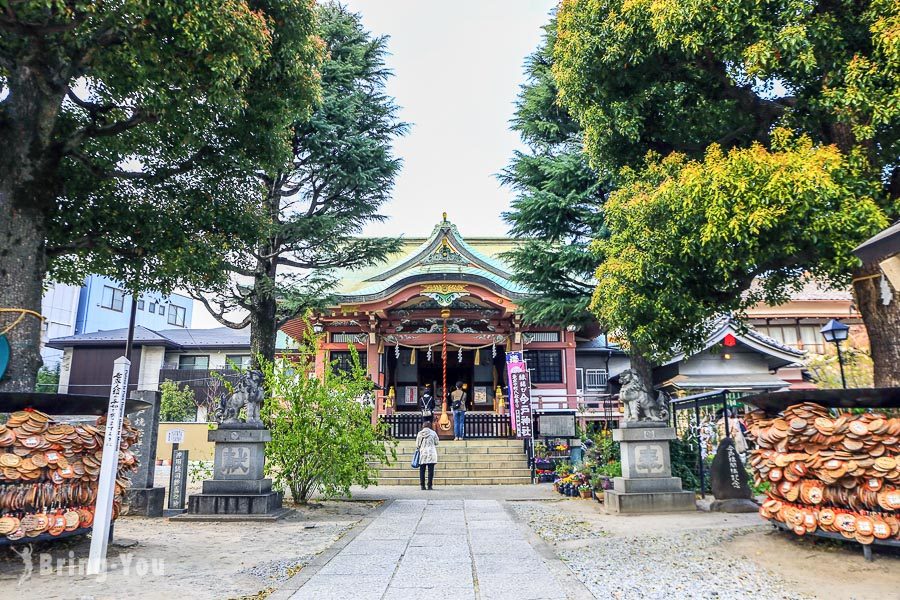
[323, 440]
[177, 403]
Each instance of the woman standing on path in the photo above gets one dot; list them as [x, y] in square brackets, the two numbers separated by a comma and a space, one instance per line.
[426, 445]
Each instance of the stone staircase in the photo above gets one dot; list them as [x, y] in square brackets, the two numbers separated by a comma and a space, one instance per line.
[468, 462]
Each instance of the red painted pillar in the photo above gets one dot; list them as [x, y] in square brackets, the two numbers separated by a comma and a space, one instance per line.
[571, 377]
[372, 369]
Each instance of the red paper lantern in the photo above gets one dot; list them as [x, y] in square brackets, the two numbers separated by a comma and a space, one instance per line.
[729, 341]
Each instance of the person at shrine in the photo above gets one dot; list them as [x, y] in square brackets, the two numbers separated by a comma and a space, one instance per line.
[426, 402]
[426, 445]
[458, 404]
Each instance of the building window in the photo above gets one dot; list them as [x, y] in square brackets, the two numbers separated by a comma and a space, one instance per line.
[193, 362]
[152, 308]
[341, 360]
[241, 361]
[176, 315]
[113, 298]
[162, 309]
[595, 380]
[545, 366]
[347, 338]
[140, 305]
[542, 336]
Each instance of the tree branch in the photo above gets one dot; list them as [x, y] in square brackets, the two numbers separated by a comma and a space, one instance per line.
[219, 315]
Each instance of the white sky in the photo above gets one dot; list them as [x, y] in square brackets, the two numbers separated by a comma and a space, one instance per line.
[457, 71]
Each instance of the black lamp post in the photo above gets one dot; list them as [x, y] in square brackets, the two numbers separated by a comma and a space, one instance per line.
[836, 332]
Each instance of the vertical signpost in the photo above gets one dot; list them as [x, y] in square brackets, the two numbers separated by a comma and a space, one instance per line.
[108, 466]
[177, 473]
[519, 395]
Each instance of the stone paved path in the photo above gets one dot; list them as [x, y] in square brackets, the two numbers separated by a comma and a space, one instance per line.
[436, 550]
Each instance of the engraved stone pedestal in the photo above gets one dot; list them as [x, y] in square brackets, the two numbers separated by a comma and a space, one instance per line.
[144, 498]
[647, 485]
[238, 490]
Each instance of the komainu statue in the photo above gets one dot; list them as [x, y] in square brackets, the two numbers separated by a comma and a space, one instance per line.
[249, 392]
[640, 403]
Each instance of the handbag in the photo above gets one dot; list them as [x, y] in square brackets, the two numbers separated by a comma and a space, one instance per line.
[415, 460]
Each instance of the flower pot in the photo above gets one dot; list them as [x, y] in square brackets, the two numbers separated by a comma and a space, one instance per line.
[598, 495]
[586, 494]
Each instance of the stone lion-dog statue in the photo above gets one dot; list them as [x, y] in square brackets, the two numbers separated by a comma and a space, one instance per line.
[640, 404]
[249, 392]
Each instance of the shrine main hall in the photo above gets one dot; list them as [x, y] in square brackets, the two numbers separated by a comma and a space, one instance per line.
[440, 292]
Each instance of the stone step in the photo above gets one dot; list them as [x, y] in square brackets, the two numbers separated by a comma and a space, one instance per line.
[439, 481]
[472, 443]
[454, 449]
[444, 472]
[455, 463]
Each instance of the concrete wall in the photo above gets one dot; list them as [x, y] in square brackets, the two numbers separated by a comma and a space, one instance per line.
[195, 441]
[92, 316]
[59, 307]
[65, 370]
[216, 357]
[743, 361]
[151, 362]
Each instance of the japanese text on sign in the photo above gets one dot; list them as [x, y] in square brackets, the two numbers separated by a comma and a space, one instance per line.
[519, 394]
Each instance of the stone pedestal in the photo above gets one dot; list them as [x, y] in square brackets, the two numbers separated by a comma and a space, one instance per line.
[646, 485]
[238, 490]
[143, 497]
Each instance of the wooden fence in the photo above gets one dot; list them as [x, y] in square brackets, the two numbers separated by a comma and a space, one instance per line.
[478, 425]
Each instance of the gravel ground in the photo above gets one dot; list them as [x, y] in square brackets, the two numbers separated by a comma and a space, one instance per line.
[197, 560]
[686, 564]
[554, 525]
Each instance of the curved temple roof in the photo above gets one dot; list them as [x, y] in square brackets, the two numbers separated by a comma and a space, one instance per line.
[443, 256]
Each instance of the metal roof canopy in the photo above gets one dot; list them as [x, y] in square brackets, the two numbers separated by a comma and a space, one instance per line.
[63, 404]
[713, 398]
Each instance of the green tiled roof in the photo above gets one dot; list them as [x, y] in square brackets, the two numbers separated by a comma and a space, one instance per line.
[443, 256]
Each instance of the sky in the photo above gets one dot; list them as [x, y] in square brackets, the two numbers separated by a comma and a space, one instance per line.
[457, 71]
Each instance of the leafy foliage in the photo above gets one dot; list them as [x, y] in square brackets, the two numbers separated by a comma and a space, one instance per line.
[689, 237]
[47, 380]
[177, 402]
[314, 203]
[744, 139]
[556, 211]
[684, 464]
[826, 373]
[323, 439]
[158, 109]
[129, 128]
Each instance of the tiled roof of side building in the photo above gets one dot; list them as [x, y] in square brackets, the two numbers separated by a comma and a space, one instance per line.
[222, 337]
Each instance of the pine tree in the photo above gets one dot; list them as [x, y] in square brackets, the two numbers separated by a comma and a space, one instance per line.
[557, 210]
[315, 205]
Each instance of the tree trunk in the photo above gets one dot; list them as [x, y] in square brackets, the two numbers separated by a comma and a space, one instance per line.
[263, 329]
[264, 314]
[882, 324]
[22, 270]
[643, 368]
[28, 189]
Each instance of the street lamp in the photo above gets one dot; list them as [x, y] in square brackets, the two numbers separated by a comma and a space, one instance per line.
[836, 332]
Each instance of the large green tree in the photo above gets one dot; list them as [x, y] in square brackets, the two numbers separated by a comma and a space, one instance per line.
[772, 130]
[315, 203]
[558, 206]
[126, 128]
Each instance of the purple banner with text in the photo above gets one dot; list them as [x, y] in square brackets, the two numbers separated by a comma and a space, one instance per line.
[519, 394]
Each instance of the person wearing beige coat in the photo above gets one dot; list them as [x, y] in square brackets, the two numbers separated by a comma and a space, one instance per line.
[426, 445]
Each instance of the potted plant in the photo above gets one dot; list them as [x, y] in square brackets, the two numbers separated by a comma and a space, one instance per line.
[597, 487]
[585, 490]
